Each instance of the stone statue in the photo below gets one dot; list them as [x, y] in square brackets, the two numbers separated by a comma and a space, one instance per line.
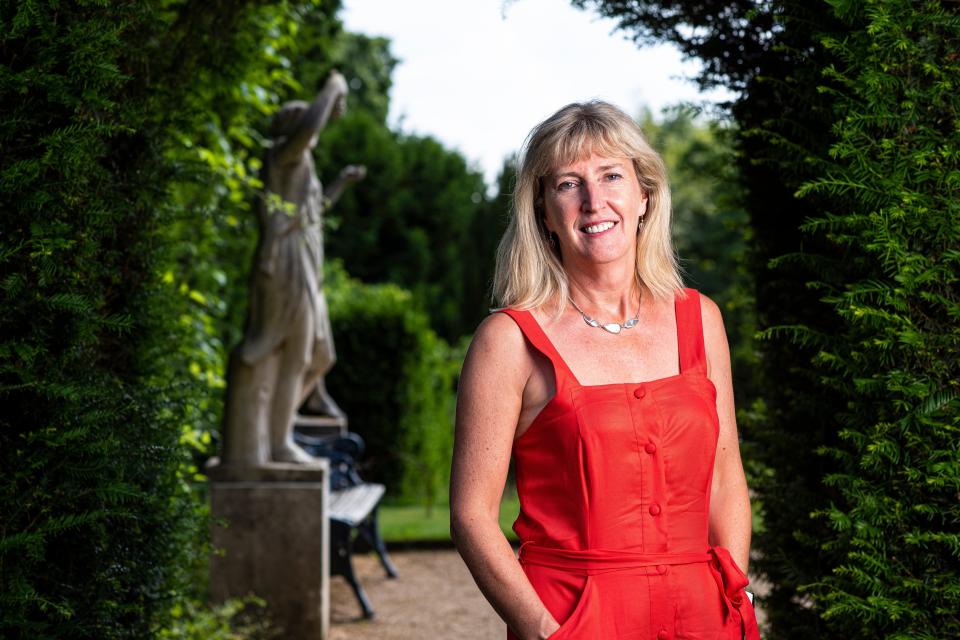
[287, 347]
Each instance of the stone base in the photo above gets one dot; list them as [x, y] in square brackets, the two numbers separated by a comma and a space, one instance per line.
[276, 544]
[268, 471]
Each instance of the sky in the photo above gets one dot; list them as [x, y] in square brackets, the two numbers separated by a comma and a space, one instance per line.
[479, 74]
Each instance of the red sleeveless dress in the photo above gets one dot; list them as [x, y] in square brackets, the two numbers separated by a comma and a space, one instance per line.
[614, 487]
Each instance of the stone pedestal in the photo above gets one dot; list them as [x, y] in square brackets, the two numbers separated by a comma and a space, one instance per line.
[276, 543]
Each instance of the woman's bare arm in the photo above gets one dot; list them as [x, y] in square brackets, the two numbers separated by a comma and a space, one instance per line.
[495, 372]
[730, 516]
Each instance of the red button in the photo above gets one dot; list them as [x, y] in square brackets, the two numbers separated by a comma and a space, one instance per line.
[663, 635]
[654, 509]
[650, 448]
[639, 392]
[662, 569]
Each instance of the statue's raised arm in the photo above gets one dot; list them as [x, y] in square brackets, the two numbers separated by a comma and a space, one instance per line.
[331, 100]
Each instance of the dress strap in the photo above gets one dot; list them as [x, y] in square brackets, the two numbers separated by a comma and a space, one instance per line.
[690, 333]
[535, 335]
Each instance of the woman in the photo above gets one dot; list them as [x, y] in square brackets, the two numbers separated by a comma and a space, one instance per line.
[609, 383]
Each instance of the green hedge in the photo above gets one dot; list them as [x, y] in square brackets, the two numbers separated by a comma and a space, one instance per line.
[893, 183]
[108, 255]
[395, 379]
[93, 528]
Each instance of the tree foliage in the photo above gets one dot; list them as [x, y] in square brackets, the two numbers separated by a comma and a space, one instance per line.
[409, 222]
[893, 183]
[478, 256]
[98, 364]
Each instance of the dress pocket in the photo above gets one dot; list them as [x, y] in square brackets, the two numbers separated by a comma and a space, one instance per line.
[577, 624]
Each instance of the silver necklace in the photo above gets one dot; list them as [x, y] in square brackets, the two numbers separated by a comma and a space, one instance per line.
[610, 327]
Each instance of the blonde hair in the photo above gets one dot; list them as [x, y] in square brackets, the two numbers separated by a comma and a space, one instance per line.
[529, 274]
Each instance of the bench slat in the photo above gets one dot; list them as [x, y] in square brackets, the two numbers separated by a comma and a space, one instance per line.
[353, 504]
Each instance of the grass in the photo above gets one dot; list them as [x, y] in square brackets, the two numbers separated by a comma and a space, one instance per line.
[414, 523]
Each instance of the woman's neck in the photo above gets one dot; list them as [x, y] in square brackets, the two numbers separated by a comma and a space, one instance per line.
[606, 293]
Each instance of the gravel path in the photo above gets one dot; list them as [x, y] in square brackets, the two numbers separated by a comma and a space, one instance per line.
[434, 597]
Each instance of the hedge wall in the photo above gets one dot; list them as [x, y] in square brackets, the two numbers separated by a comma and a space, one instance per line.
[99, 530]
[395, 379]
[893, 181]
[91, 533]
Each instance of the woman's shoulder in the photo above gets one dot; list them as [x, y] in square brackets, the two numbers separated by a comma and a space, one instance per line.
[498, 348]
[710, 314]
[501, 325]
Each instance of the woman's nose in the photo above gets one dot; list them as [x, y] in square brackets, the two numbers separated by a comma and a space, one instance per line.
[591, 197]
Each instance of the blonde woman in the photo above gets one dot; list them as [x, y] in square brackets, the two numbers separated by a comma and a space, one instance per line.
[608, 383]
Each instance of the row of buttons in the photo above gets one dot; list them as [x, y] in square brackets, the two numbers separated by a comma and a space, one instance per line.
[650, 448]
[638, 393]
[654, 509]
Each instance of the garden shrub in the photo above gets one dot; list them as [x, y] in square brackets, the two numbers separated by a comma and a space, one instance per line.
[394, 378]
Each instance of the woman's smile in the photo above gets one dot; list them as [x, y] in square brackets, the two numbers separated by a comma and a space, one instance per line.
[598, 228]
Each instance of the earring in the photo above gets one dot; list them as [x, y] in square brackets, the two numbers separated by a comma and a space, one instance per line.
[640, 226]
[552, 239]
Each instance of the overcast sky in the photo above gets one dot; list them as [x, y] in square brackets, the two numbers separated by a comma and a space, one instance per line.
[479, 74]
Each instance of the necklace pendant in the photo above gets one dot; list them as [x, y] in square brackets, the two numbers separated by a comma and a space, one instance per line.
[611, 327]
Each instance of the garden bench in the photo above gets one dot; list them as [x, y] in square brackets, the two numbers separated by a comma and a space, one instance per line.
[353, 508]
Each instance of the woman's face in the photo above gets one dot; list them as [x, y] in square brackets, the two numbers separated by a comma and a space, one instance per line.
[594, 207]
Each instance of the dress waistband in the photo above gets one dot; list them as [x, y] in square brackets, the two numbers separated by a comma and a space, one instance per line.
[598, 560]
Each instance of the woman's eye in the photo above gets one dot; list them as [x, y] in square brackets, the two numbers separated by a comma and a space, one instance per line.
[566, 185]
[611, 177]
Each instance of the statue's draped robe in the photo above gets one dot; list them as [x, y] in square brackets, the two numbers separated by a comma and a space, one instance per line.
[288, 273]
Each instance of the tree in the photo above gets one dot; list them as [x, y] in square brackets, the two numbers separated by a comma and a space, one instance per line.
[409, 222]
[486, 229]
